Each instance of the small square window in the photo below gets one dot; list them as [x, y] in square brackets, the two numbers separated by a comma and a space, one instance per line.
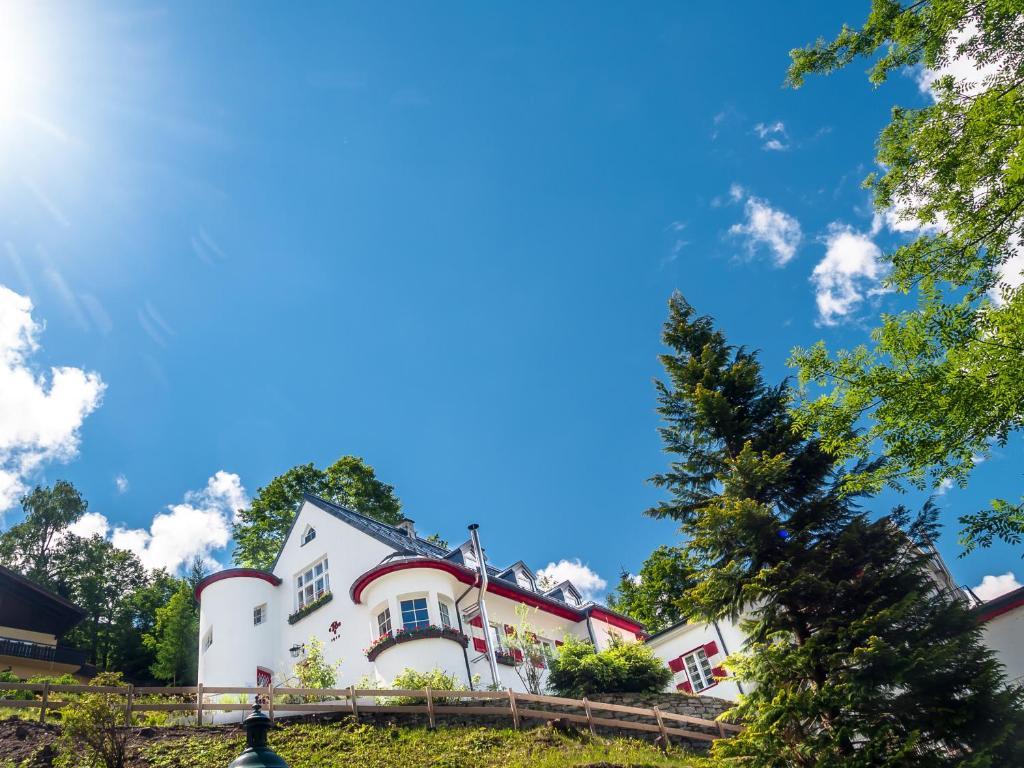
[259, 614]
[309, 535]
[207, 639]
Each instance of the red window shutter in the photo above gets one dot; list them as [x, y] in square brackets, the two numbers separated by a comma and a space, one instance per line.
[685, 687]
[509, 629]
[476, 621]
[559, 643]
[676, 665]
[718, 672]
[517, 654]
[479, 645]
[711, 648]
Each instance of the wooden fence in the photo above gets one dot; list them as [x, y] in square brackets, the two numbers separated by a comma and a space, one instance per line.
[517, 706]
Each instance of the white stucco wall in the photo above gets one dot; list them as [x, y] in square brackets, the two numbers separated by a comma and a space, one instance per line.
[689, 637]
[1004, 634]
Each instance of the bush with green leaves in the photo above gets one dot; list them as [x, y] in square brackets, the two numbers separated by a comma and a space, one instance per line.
[410, 679]
[315, 671]
[580, 670]
[95, 728]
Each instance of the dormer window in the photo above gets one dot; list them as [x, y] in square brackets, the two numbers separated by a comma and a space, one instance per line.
[308, 535]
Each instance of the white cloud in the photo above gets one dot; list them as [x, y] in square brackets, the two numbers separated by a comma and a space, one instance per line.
[122, 483]
[774, 136]
[736, 192]
[993, 586]
[197, 526]
[767, 226]
[851, 268]
[944, 486]
[90, 524]
[590, 585]
[40, 414]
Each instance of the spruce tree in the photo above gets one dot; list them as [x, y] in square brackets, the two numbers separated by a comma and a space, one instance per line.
[859, 657]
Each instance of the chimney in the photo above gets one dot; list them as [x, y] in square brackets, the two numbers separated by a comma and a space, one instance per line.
[407, 526]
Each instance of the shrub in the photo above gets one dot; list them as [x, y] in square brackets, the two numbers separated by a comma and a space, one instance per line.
[410, 679]
[94, 732]
[579, 670]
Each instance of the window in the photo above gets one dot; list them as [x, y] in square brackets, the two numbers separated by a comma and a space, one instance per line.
[308, 535]
[496, 634]
[259, 614]
[384, 623]
[414, 613]
[207, 639]
[311, 584]
[699, 669]
[446, 617]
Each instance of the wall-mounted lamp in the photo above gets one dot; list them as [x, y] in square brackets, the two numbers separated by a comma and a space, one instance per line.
[297, 650]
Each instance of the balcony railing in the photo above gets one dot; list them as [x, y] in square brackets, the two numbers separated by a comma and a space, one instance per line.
[37, 651]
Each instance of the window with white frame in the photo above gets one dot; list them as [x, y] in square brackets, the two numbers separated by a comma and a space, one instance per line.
[384, 623]
[496, 634]
[311, 584]
[414, 613]
[309, 534]
[699, 670]
[207, 639]
[259, 614]
[446, 616]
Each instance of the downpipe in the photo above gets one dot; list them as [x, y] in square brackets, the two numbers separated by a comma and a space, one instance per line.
[482, 604]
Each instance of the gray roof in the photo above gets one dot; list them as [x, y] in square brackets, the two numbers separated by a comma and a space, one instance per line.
[384, 533]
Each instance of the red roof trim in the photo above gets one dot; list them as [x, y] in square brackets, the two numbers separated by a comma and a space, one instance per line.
[236, 573]
[465, 576]
[616, 621]
[999, 610]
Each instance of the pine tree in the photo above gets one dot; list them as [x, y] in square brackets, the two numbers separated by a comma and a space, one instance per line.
[174, 639]
[859, 658]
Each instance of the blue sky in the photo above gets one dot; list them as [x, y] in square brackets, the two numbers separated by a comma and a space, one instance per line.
[440, 237]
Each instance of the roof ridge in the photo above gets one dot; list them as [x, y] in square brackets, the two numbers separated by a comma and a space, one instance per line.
[372, 521]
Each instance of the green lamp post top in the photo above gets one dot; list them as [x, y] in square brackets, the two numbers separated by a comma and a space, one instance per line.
[257, 754]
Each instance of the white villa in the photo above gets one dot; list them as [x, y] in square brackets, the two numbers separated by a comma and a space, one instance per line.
[380, 599]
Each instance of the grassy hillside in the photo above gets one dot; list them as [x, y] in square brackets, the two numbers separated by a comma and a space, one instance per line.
[335, 744]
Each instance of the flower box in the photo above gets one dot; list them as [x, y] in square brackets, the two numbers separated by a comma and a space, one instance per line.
[308, 608]
[506, 658]
[381, 644]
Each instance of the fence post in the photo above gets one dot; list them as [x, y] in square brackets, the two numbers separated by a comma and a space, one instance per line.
[352, 698]
[721, 729]
[590, 715]
[430, 709]
[661, 725]
[128, 705]
[199, 704]
[46, 698]
[270, 701]
[515, 708]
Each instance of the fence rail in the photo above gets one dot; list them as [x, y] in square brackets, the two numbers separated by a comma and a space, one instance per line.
[197, 701]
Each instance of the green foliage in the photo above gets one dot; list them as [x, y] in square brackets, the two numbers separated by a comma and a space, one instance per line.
[655, 598]
[858, 657]
[410, 679]
[315, 671]
[350, 481]
[312, 746]
[94, 731]
[28, 547]
[943, 382]
[531, 657]
[175, 638]
[579, 670]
